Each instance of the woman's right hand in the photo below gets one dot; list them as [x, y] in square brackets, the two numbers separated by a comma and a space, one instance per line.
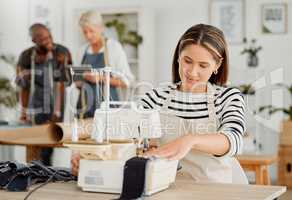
[24, 118]
[75, 158]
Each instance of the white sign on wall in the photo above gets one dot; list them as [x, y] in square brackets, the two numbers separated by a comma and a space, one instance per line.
[49, 13]
[274, 18]
[228, 15]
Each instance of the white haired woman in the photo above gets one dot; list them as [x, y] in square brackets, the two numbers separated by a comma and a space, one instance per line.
[99, 52]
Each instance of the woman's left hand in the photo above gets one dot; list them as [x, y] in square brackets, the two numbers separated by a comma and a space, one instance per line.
[174, 150]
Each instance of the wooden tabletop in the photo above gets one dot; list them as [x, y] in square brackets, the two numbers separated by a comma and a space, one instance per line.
[184, 188]
[254, 159]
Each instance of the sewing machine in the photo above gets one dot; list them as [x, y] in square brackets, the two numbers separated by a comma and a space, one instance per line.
[119, 131]
[102, 164]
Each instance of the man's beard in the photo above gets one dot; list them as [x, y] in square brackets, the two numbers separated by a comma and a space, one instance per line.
[42, 49]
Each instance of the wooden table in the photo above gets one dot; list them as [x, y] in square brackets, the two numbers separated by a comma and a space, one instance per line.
[184, 188]
[260, 165]
[33, 151]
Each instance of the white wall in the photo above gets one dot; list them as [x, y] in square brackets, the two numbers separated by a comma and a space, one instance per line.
[14, 23]
[171, 19]
[275, 65]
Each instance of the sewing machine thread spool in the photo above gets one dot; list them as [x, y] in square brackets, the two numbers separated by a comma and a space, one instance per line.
[146, 145]
[74, 136]
[98, 131]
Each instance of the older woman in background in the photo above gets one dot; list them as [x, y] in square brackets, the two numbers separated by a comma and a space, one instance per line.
[99, 52]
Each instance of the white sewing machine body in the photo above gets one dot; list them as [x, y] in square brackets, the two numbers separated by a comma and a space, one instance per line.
[107, 176]
[102, 165]
[126, 122]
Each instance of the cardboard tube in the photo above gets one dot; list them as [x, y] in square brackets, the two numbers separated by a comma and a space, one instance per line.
[47, 134]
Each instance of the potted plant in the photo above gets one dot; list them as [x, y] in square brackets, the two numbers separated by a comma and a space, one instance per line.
[8, 96]
[133, 38]
[251, 50]
[8, 93]
[128, 38]
[246, 89]
[286, 134]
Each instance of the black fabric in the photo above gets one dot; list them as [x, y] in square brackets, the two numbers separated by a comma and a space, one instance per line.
[46, 156]
[15, 176]
[18, 183]
[134, 178]
[42, 118]
[6, 173]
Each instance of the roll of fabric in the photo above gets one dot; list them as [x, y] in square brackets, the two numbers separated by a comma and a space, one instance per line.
[52, 133]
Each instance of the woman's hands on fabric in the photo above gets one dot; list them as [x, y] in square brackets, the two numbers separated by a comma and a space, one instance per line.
[75, 163]
[91, 77]
[174, 150]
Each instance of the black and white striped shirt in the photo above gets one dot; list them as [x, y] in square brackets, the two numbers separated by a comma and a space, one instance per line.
[229, 106]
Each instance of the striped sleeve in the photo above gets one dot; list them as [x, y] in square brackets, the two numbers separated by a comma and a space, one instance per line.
[232, 120]
[154, 99]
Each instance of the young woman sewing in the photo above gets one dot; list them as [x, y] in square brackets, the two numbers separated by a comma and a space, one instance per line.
[202, 120]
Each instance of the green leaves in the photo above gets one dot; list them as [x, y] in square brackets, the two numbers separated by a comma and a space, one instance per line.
[8, 95]
[119, 26]
[251, 47]
[133, 38]
[272, 110]
[125, 36]
[10, 59]
[246, 89]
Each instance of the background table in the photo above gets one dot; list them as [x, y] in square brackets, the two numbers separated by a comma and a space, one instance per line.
[260, 165]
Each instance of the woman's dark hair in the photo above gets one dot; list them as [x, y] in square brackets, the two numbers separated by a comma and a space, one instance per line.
[213, 40]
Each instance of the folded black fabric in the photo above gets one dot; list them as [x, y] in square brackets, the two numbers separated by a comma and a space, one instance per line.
[15, 176]
[19, 182]
[6, 173]
[134, 178]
